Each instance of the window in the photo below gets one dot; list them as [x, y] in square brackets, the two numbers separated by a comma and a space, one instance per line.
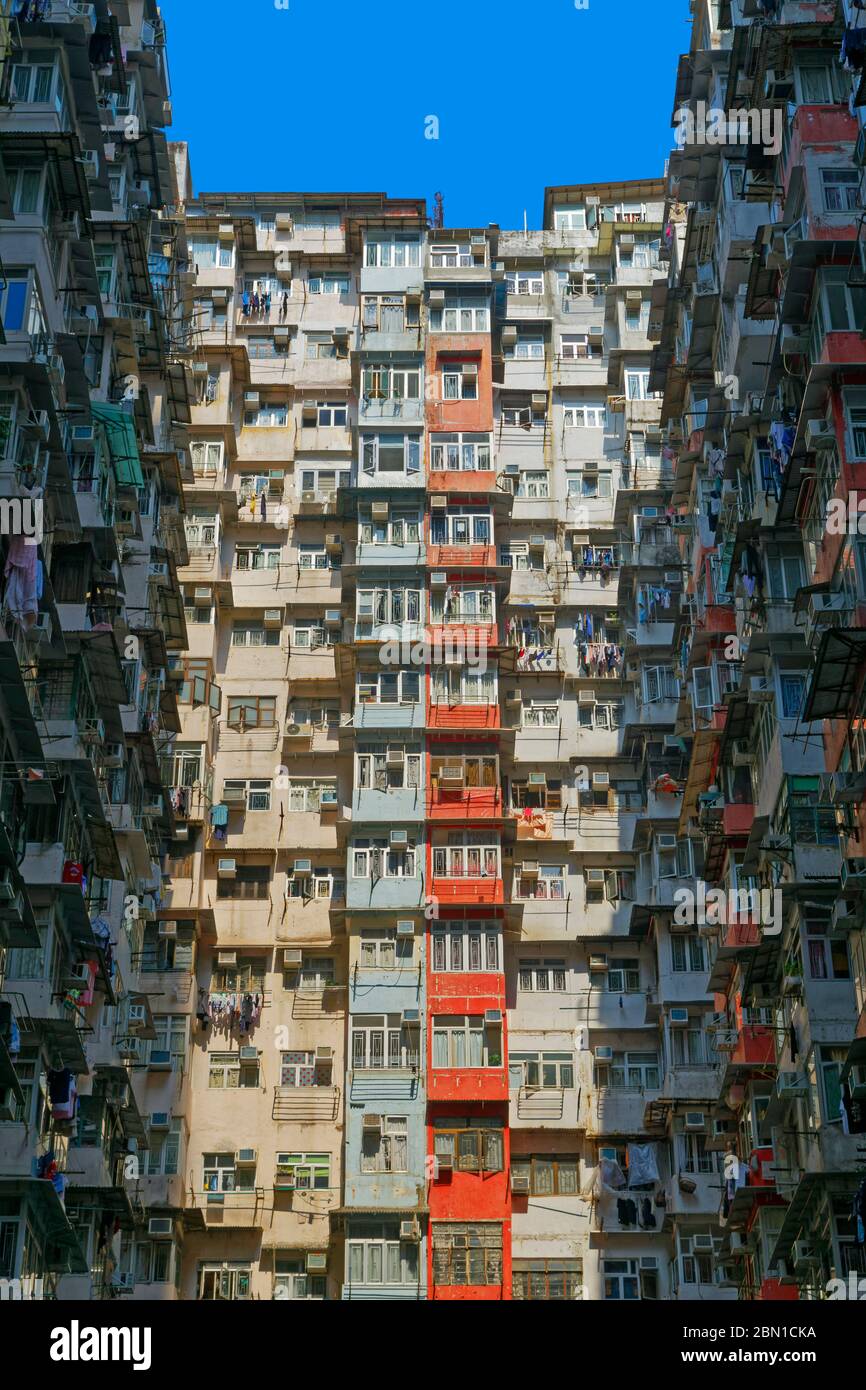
[637, 316]
[602, 716]
[637, 386]
[525, 281]
[374, 858]
[692, 1155]
[256, 794]
[267, 415]
[386, 1150]
[226, 1072]
[381, 948]
[629, 1071]
[462, 605]
[660, 683]
[461, 314]
[384, 250]
[292, 1283]
[841, 190]
[534, 483]
[390, 313]
[385, 607]
[251, 881]
[455, 685]
[688, 953]
[643, 255]
[309, 633]
[375, 770]
[548, 885]
[311, 794]
[548, 1177]
[316, 557]
[376, 1255]
[225, 1282]
[547, 1280]
[456, 452]
[460, 528]
[162, 1156]
[388, 687]
[474, 1145]
[696, 1266]
[584, 417]
[528, 346]
[252, 712]
[383, 382]
[542, 976]
[469, 946]
[569, 219]
[208, 254]
[545, 1071]
[220, 1175]
[379, 1042]
[621, 1280]
[830, 1063]
[300, 1069]
[332, 414]
[540, 714]
[458, 382]
[691, 1046]
[149, 1261]
[323, 482]
[207, 459]
[791, 689]
[401, 528]
[623, 975]
[252, 634]
[25, 186]
[464, 1254]
[323, 346]
[327, 282]
[311, 1172]
[468, 854]
[828, 959]
[391, 453]
[590, 485]
[321, 883]
[462, 1041]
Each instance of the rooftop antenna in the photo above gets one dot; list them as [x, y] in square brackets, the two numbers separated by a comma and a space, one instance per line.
[525, 223]
[439, 214]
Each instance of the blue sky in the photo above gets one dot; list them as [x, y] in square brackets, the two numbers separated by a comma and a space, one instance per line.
[333, 94]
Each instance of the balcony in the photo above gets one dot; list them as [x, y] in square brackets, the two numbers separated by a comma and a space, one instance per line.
[461, 556]
[467, 1084]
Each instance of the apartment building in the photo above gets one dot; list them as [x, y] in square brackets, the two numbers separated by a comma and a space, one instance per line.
[429, 627]
[760, 357]
[93, 413]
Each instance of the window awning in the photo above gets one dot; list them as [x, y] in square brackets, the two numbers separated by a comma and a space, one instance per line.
[836, 677]
[46, 1213]
[61, 1040]
[122, 443]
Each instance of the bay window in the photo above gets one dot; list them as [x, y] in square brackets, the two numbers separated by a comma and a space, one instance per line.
[545, 1071]
[380, 1042]
[460, 452]
[401, 528]
[548, 885]
[529, 281]
[373, 857]
[461, 1041]
[461, 528]
[584, 417]
[465, 947]
[473, 1145]
[462, 313]
[388, 687]
[467, 1254]
[455, 685]
[629, 1071]
[453, 605]
[376, 1255]
[542, 976]
[386, 607]
[377, 769]
[386, 1150]
[391, 453]
[383, 382]
[382, 250]
[467, 854]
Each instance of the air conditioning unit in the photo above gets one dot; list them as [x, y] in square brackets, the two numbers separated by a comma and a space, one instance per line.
[694, 1120]
[791, 1086]
[411, 1018]
[520, 1183]
[167, 930]
[679, 1018]
[159, 1059]
[819, 434]
[160, 1119]
[778, 86]
[410, 1230]
[792, 342]
[90, 163]
[858, 1081]
[246, 1158]
[398, 839]
[742, 754]
[597, 963]
[333, 543]
[529, 868]
[293, 959]
[302, 867]
[379, 511]
[444, 1163]
[160, 1227]
[395, 757]
[804, 1255]
[284, 221]
[536, 542]
[114, 755]
[492, 1016]
[438, 580]
[251, 398]
[372, 1124]
[451, 776]
[601, 779]
[514, 697]
[227, 868]
[136, 1015]
[273, 617]
[853, 869]
[123, 1281]
[438, 503]
[405, 926]
[333, 617]
[235, 796]
[316, 1263]
[603, 1054]
[324, 1054]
